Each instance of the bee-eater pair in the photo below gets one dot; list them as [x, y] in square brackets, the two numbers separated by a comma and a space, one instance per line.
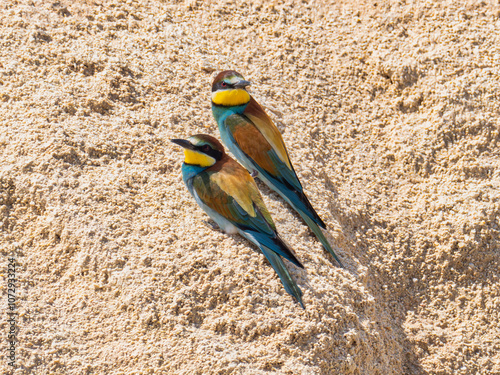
[227, 192]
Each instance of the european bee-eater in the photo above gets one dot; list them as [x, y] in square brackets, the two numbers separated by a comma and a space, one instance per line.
[250, 134]
[229, 195]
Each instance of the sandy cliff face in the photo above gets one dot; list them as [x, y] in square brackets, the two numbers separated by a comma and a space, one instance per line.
[391, 115]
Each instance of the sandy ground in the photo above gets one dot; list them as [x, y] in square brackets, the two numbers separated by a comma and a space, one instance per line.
[391, 113]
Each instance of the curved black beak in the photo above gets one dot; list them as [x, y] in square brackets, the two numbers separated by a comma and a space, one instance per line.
[242, 84]
[183, 143]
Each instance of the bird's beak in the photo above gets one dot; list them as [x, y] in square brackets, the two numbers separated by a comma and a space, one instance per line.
[242, 84]
[183, 143]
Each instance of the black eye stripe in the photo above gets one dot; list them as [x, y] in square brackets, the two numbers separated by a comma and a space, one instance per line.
[206, 149]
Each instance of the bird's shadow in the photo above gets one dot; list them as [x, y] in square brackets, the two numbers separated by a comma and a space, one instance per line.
[357, 263]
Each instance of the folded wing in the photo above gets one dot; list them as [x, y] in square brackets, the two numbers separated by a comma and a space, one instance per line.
[233, 194]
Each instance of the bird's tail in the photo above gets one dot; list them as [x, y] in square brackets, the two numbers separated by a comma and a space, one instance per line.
[277, 263]
[319, 234]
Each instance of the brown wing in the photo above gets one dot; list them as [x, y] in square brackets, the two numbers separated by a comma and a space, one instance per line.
[227, 182]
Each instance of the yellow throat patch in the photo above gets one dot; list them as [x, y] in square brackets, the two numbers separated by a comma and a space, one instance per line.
[197, 158]
[230, 97]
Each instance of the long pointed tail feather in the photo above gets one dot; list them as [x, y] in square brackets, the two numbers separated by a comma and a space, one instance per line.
[311, 211]
[319, 234]
[279, 266]
[303, 208]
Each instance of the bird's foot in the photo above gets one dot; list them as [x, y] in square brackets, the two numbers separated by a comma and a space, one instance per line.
[254, 173]
[212, 225]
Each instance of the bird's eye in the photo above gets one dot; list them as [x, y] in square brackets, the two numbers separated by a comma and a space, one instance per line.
[223, 84]
[205, 148]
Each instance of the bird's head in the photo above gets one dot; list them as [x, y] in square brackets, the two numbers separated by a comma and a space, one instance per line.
[201, 150]
[228, 89]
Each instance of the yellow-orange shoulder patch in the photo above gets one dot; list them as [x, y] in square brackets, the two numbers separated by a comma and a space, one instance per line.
[239, 185]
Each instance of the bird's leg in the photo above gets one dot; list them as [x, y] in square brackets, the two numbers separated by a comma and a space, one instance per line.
[254, 173]
[213, 225]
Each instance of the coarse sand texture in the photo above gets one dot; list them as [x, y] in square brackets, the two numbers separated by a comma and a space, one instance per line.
[391, 114]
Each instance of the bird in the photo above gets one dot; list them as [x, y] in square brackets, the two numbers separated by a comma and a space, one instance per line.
[229, 195]
[252, 137]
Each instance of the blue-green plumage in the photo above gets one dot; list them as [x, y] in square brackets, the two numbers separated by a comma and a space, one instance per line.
[189, 171]
[228, 194]
[254, 140]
